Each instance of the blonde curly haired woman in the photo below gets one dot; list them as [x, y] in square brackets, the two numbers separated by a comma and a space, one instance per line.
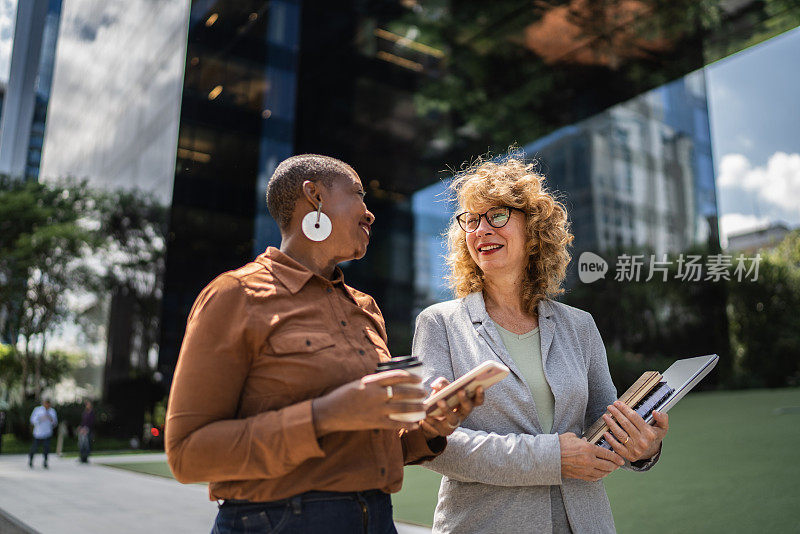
[517, 464]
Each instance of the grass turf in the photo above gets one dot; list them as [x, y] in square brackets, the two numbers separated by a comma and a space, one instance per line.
[731, 463]
[160, 469]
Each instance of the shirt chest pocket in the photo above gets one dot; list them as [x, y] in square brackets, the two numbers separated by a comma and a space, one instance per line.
[300, 343]
[297, 365]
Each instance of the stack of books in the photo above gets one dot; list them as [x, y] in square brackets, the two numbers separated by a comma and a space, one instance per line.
[644, 396]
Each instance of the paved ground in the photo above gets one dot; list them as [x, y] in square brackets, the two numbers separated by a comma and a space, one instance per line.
[74, 498]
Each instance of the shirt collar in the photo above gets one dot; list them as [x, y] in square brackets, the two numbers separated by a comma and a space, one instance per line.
[293, 274]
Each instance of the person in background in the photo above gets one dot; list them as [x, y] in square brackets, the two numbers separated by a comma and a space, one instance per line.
[275, 399]
[44, 421]
[85, 432]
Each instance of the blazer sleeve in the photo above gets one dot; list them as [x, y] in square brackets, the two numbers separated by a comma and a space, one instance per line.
[602, 391]
[478, 456]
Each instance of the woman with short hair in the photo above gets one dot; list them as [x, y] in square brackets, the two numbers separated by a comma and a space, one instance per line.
[518, 465]
[275, 400]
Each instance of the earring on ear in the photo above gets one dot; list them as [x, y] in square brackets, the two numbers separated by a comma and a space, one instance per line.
[316, 225]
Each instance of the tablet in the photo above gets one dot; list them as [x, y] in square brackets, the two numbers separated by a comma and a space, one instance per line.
[486, 374]
[682, 376]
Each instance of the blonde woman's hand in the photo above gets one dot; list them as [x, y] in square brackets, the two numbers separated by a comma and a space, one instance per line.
[582, 460]
[630, 436]
[446, 424]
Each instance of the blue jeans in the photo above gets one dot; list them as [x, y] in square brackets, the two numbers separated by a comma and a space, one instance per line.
[44, 443]
[327, 512]
[85, 446]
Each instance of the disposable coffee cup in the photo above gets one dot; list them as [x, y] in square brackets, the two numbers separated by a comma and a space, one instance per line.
[412, 365]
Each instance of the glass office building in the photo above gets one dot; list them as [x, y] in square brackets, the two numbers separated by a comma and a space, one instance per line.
[197, 103]
[28, 92]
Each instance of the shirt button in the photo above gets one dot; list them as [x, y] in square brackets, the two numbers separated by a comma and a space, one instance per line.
[361, 352]
[383, 471]
[376, 431]
[344, 323]
[308, 342]
[329, 290]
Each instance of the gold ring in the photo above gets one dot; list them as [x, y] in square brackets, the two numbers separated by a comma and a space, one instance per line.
[389, 393]
[626, 440]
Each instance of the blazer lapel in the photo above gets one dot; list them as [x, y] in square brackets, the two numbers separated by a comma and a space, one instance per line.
[480, 320]
[487, 330]
[547, 329]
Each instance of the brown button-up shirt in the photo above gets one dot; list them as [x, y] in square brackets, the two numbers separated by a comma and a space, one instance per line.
[262, 342]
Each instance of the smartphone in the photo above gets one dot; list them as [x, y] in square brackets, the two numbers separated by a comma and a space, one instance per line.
[486, 374]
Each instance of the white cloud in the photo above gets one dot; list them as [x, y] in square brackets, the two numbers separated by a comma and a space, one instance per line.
[776, 184]
[8, 14]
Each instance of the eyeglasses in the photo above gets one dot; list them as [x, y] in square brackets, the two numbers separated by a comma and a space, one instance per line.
[497, 217]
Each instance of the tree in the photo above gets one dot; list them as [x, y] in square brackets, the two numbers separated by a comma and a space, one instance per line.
[133, 226]
[765, 322]
[44, 236]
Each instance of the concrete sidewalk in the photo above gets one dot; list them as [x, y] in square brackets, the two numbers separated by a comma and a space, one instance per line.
[77, 498]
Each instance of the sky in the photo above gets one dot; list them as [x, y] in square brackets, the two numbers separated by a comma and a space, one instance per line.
[755, 130]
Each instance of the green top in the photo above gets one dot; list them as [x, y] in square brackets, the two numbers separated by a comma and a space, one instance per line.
[526, 351]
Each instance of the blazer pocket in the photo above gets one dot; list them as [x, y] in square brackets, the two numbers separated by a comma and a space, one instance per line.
[300, 342]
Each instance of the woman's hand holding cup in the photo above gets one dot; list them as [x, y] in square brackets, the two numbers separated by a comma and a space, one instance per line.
[369, 403]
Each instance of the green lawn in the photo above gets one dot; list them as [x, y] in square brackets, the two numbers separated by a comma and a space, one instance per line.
[731, 463]
[151, 468]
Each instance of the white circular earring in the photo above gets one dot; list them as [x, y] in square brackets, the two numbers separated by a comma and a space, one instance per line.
[316, 225]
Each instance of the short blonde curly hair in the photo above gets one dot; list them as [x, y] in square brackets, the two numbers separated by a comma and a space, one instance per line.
[512, 182]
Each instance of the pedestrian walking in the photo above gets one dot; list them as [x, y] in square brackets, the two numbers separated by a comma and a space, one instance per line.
[44, 420]
[85, 431]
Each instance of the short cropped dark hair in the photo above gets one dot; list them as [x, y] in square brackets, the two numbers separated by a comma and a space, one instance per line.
[284, 188]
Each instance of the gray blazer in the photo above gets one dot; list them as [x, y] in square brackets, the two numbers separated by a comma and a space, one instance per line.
[498, 465]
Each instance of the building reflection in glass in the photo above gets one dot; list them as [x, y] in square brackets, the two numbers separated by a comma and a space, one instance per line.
[637, 176]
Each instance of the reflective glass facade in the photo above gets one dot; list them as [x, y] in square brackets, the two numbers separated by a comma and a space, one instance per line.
[197, 102]
[28, 94]
[237, 124]
[43, 85]
[610, 97]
